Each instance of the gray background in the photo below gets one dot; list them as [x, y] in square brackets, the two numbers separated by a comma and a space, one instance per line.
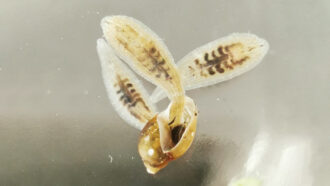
[57, 126]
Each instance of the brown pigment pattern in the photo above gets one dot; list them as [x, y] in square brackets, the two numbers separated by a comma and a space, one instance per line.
[158, 63]
[147, 55]
[220, 62]
[129, 97]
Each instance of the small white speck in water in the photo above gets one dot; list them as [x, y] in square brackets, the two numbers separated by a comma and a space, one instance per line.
[218, 99]
[61, 38]
[98, 96]
[151, 152]
[82, 17]
[132, 157]
[0, 69]
[110, 158]
[59, 69]
[86, 92]
[98, 13]
[48, 92]
[56, 114]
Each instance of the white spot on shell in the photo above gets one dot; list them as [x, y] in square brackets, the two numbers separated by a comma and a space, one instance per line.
[151, 152]
[149, 171]
[147, 138]
[193, 134]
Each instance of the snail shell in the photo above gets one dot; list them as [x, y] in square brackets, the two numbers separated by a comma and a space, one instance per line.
[160, 142]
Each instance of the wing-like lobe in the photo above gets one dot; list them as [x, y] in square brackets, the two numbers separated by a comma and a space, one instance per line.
[145, 52]
[218, 61]
[126, 93]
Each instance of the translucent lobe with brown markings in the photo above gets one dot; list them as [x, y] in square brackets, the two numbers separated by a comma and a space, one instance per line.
[218, 61]
[127, 96]
[145, 52]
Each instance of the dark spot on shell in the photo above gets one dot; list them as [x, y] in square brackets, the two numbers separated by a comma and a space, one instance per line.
[177, 133]
[172, 121]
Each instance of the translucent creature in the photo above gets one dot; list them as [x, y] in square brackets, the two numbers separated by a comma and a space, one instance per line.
[129, 44]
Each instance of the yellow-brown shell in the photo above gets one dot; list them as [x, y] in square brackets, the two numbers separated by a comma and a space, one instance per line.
[161, 143]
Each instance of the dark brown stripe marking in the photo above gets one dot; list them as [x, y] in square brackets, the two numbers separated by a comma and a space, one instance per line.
[220, 62]
[148, 54]
[158, 63]
[129, 97]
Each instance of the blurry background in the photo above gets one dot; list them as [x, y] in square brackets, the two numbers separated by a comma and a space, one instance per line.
[57, 126]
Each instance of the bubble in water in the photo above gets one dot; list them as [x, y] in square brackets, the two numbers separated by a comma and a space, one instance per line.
[110, 158]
